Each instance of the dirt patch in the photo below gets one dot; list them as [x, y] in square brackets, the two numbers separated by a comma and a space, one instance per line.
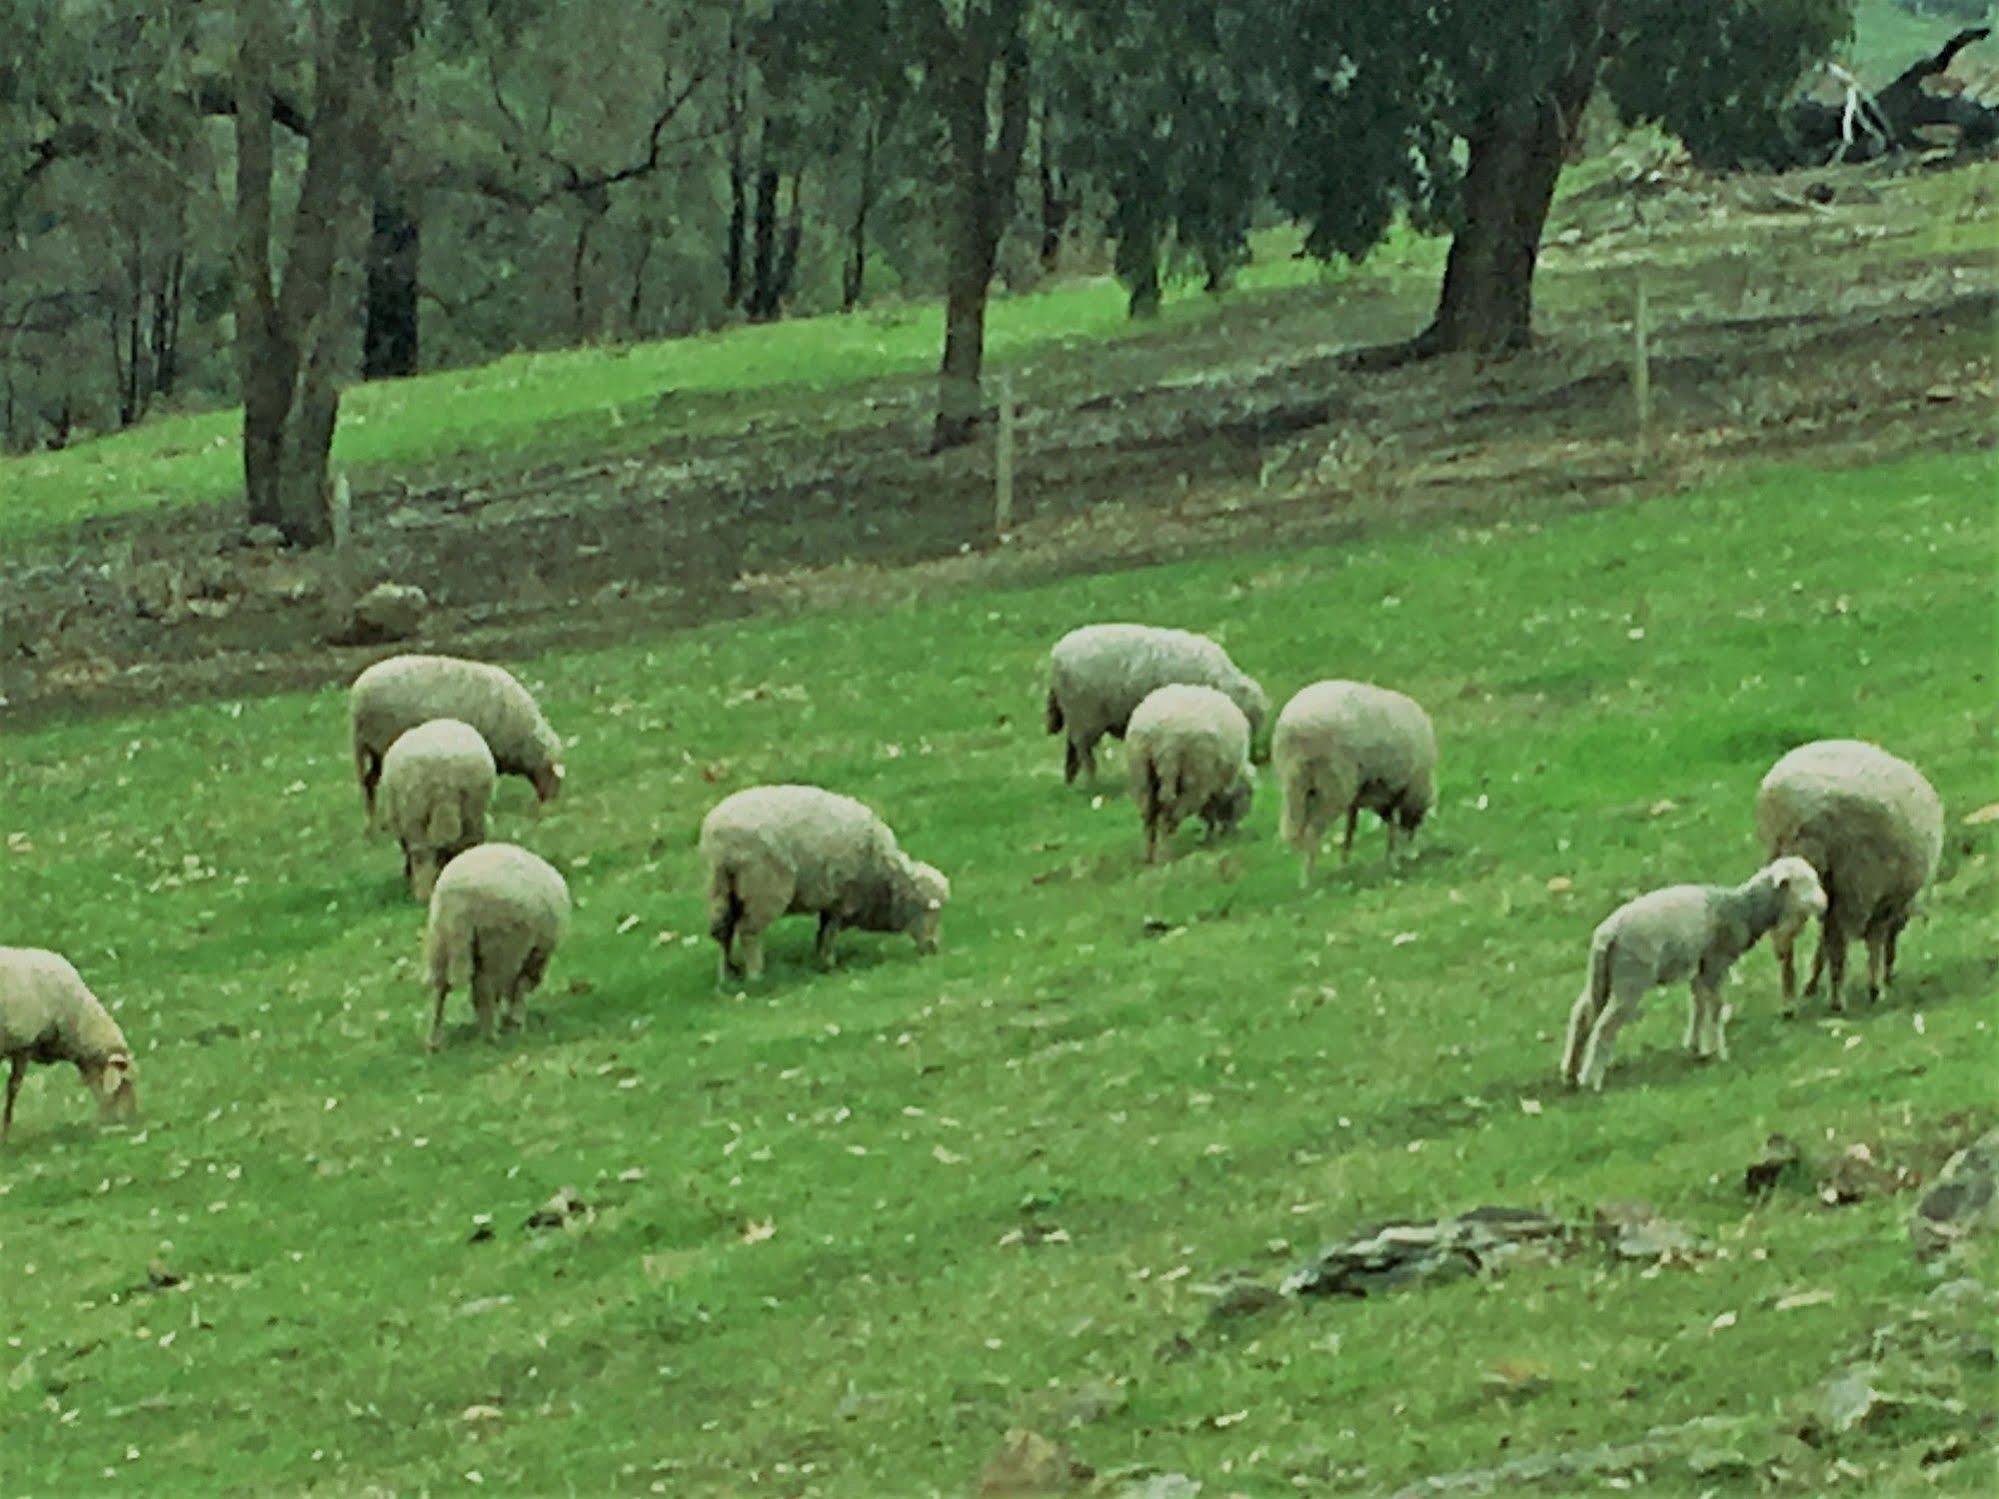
[1251, 428]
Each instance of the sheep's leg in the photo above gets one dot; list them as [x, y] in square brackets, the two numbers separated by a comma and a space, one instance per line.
[1888, 965]
[750, 950]
[1832, 953]
[484, 1001]
[1596, 1055]
[1877, 965]
[1785, 944]
[437, 1018]
[1708, 1039]
[1308, 863]
[829, 928]
[1696, 1036]
[1582, 1015]
[1072, 762]
[1718, 1026]
[14, 1075]
[1818, 959]
[1346, 844]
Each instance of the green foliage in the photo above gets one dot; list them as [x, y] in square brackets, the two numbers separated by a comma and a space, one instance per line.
[804, 1268]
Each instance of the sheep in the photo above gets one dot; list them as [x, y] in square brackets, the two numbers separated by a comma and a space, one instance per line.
[772, 851]
[1691, 932]
[1189, 755]
[496, 915]
[1342, 746]
[1098, 674]
[1872, 827]
[48, 1015]
[436, 783]
[394, 696]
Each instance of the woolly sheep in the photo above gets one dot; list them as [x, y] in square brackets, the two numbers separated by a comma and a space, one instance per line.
[1099, 674]
[394, 696]
[496, 915]
[1873, 829]
[1681, 932]
[1189, 756]
[48, 1015]
[772, 851]
[437, 781]
[1342, 746]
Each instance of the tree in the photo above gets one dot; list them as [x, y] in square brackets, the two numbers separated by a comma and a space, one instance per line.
[286, 336]
[1461, 114]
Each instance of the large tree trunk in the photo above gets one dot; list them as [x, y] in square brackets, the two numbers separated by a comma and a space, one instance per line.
[1515, 158]
[760, 303]
[983, 162]
[284, 337]
[854, 274]
[1054, 202]
[736, 118]
[389, 329]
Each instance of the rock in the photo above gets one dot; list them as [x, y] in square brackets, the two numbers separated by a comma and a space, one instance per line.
[1780, 1160]
[1964, 1200]
[388, 611]
[1392, 1254]
[1634, 1231]
[1240, 1295]
[263, 538]
[1028, 1463]
[160, 1278]
[1848, 1399]
[558, 1210]
[1162, 1486]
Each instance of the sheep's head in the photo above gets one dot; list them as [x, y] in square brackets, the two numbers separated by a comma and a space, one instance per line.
[1255, 704]
[421, 867]
[548, 781]
[1227, 810]
[111, 1082]
[923, 904]
[1800, 896]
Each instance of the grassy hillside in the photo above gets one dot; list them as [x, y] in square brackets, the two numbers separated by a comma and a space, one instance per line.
[804, 1271]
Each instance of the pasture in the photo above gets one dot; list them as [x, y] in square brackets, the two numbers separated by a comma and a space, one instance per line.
[844, 1230]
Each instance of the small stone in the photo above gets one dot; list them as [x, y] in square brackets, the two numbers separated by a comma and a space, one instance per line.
[388, 611]
[263, 538]
[1778, 1159]
[1029, 1463]
[1964, 1200]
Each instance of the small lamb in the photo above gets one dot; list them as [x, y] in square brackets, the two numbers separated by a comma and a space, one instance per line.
[48, 1015]
[394, 696]
[1341, 746]
[1099, 674]
[1872, 827]
[437, 781]
[496, 915]
[777, 850]
[1681, 932]
[1189, 756]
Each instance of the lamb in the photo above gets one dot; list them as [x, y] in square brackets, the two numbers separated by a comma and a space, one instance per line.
[1681, 932]
[1342, 746]
[1872, 827]
[496, 915]
[776, 850]
[1099, 674]
[394, 696]
[48, 1015]
[1189, 756]
[437, 781]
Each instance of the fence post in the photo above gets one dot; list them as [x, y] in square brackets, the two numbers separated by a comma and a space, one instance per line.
[1641, 375]
[1003, 464]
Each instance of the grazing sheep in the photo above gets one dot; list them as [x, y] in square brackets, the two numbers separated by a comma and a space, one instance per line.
[495, 917]
[1342, 746]
[1682, 932]
[47, 1015]
[776, 850]
[1873, 829]
[394, 696]
[1099, 674]
[1189, 753]
[437, 781]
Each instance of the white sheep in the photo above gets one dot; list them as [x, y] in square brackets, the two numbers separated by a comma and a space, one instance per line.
[394, 696]
[437, 781]
[1691, 932]
[1341, 746]
[49, 1015]
[496, 915]
[772, 851]
[1189, 756]
[1872, 827]
[1099, 674]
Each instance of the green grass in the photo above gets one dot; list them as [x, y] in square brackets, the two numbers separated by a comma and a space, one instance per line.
[537, 408]
[1887, 37]
[1279, 1067]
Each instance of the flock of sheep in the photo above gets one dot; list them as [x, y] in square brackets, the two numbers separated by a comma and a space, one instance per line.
[1853, 834]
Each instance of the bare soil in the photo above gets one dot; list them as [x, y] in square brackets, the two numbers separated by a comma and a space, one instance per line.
[1797, 335]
